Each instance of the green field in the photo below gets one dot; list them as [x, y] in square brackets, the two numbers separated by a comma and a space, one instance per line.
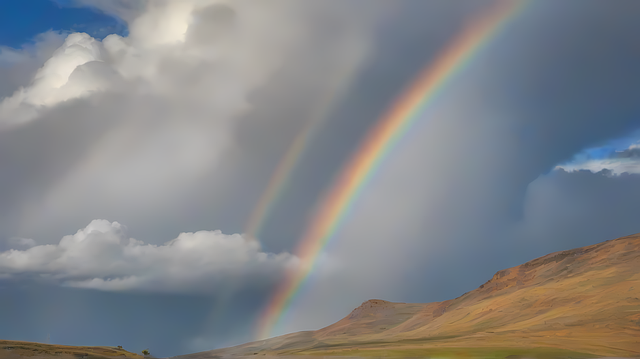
[471, 353]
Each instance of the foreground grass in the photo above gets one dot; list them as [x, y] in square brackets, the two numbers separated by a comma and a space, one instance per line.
[470, 353]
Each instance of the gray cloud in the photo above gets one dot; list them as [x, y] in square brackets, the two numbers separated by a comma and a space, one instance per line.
[20, 243]
[167, 126]
[632, 152]
[438, 218]
[167, 324]
[572, 209]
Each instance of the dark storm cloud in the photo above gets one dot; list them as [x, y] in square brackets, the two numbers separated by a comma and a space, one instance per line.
[571, 209]
[399, 52]
[437, 219]
[561, 79]
[167, 325]
[628, 153]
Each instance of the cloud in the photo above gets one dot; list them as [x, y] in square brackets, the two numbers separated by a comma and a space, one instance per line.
[72, 71]
[17, 66]
[615, 166]
[632, 152]
[614, 162]
[175, 49]
[151, 57]
[127, 10]
[100, 256]
[21, 243]
[168, 123]
[568, 209]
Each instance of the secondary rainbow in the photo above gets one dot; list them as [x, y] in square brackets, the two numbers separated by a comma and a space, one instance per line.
[284, 170]
[376, 146]
[278, 182]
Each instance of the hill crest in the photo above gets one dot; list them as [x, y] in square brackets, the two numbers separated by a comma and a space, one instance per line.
[584, 300]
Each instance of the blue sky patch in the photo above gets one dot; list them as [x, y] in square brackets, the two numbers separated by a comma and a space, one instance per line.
[21, 21]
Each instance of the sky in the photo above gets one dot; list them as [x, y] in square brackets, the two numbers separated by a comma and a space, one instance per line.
[138, 137]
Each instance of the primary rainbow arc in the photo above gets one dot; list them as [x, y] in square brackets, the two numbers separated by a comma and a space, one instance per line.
[376, 146]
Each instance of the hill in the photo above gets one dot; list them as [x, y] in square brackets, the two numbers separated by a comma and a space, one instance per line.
[19, 349]
[578, 303]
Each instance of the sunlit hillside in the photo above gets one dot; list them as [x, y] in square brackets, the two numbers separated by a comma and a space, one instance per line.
[583, 302]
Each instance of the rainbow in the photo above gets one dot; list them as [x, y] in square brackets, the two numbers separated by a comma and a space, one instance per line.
[278, 182]
[284, 170]
[376, 146]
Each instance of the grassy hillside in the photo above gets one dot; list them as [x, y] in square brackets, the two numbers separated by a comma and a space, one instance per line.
[18, 349]
[578, 303]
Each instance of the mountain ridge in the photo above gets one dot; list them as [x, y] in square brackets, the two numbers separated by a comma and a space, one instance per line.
[579, 302]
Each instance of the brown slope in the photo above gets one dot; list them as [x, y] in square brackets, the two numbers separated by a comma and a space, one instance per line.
[13, 349]
[372, 317]
[586, 300]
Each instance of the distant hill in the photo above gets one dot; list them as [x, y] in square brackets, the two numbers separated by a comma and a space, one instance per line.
[578, 303]
[18, 349]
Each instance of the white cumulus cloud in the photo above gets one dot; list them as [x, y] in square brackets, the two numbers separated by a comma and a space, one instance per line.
[616, 166]
[54, 83]
[100, 256]
[618, 162]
